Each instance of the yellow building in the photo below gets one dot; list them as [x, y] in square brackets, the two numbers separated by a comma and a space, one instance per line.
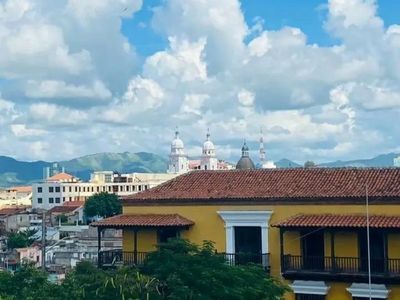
[306, 226]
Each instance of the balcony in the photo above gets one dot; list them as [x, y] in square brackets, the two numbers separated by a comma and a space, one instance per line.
[117, 257]
[340, 269]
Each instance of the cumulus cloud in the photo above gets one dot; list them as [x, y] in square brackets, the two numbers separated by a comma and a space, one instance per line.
[314, 102]
[59, 89]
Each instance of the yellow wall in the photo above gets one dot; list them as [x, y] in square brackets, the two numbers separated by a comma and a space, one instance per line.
[209, 226]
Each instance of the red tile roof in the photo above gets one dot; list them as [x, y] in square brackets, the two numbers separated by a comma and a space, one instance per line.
[299, 184]
[144, 220]
[6, 211]
[21, 189]
[327, 220]
[64, 209]
[61, 177]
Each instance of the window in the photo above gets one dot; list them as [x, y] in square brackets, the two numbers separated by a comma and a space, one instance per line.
[57, 199]
[39, 200]
[57, 189]
[76, 189]
[63, 199]
[51, 189]
[92, 189]
[140, 187]
[63, 189]
[309, 297]
[39, 189]
[70, 189]
[98, 189]
[70, 199]
[51, 200]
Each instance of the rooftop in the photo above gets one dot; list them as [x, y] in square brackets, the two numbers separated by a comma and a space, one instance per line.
[144, 220]
[277, 185]
[351, 221]
[61, 177]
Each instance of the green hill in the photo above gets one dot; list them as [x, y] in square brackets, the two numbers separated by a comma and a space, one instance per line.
[13, 172]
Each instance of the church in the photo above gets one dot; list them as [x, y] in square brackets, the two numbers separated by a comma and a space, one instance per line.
[179, 162]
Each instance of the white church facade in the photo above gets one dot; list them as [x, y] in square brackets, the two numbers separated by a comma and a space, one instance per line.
[179, 163]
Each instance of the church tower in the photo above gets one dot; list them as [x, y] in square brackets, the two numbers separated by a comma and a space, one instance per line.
[178, 161]
[264, 164]
[209, 160]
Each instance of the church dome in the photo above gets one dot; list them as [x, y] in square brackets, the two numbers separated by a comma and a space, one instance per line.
[208, 146]
[177, 143]
[245, 162]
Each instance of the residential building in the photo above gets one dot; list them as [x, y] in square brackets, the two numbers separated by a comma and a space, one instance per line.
[15, 217]
[18, 195]
[306, 226]
[63, 187]
[71, 211]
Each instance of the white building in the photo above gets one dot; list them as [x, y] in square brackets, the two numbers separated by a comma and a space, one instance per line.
[64, 187]
[396, 161]
[209, 159]
[18, 195]
[178, 161]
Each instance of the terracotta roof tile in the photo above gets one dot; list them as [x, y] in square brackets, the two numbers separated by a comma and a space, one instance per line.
[6, 211]
[21, 189]
[64, 209]
[60, 177]
[144, 220]
[328, 220]
[276, 184]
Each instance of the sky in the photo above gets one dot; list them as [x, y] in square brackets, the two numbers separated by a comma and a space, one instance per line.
[320, 78]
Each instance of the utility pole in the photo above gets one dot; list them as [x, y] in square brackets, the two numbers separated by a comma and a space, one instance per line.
[43, 241]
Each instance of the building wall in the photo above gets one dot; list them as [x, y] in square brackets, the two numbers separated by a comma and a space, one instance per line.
[210, 226]
[80, 191]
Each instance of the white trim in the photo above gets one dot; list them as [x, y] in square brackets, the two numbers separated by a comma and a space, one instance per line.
[245, 218]
[309, 287]
[361, 290]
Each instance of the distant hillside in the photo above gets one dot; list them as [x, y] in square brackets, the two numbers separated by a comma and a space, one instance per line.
[383, 160]
[13, 172]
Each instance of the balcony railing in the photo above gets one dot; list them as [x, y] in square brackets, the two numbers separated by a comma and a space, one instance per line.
[113, 258]
[117, 257]
[339, 266]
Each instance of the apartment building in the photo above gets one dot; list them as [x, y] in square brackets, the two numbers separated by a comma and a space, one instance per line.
[63, 187]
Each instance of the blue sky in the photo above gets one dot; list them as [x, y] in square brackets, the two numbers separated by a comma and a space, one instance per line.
[320, 77]
[308, 15]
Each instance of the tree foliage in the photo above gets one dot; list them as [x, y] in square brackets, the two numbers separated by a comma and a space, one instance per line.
[195, 272]
[102, 204]
[177, 270]
[20, 239]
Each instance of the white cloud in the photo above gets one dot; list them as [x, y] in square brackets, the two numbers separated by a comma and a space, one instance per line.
[60, 89]
[314, 102]
[21, 130]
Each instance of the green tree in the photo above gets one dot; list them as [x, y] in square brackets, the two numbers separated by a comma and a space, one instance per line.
[20, 239]
[188, 271]
[27, 283]
[102, 204]
[87, 282]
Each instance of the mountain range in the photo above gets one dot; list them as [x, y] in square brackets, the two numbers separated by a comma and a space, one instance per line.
[14, 172]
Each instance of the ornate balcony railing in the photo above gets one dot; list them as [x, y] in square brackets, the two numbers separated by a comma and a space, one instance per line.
[117, 257]
[339, 266]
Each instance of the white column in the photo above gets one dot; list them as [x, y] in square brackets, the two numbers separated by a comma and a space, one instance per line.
[230, 239]
[264, 239]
